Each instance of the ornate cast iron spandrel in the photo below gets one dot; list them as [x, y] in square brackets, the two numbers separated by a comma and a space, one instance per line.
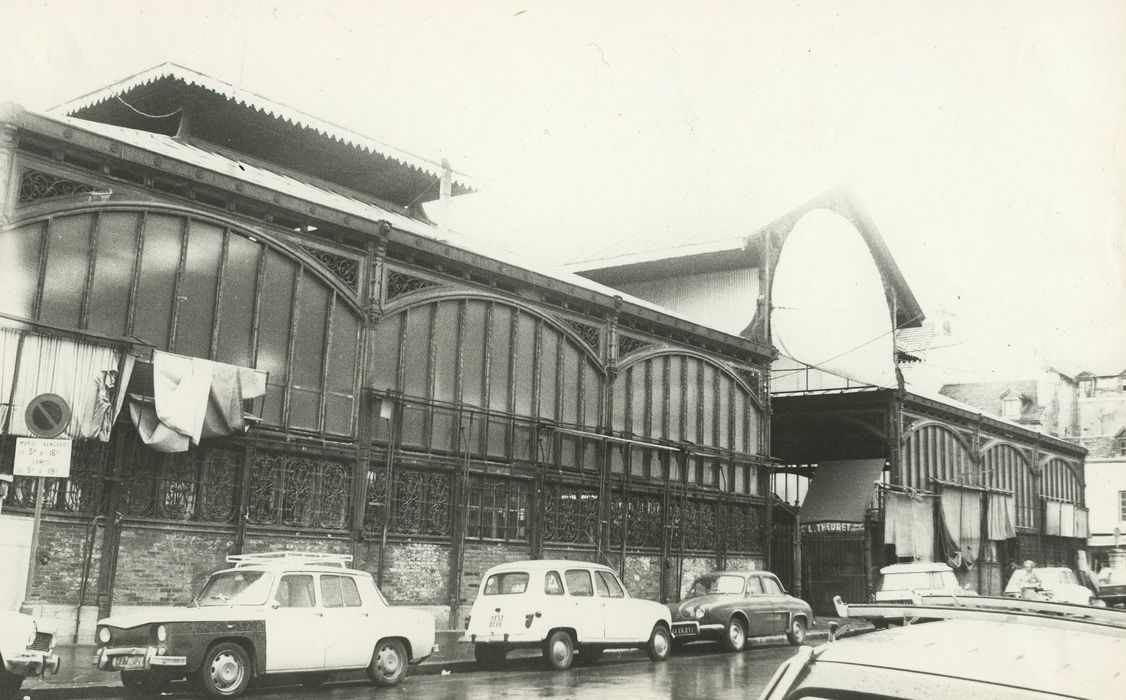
[589, 334]
[752, 379]
[627, 344]
[36, 185]
[399, 284]
[343, 267]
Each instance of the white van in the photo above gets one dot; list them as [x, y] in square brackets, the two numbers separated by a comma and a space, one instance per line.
[562, 607]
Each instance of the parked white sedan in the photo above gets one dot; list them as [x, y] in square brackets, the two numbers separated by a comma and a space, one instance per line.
[25, 650]
[562, 607]
[271, 614]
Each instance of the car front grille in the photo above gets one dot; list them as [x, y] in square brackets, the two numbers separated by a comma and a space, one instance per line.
[42, 642]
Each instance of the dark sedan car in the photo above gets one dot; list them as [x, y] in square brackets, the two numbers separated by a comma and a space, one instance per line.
[730, 606]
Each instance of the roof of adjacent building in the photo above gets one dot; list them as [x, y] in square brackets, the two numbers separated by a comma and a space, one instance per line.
[988, 396]
[161, 98]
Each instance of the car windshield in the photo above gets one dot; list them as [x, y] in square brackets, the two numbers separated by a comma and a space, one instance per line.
[507, 583]
[717, 584]
[236, 588]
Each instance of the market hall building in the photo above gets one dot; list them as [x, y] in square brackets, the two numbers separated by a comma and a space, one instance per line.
[264, 344]
[875, 474]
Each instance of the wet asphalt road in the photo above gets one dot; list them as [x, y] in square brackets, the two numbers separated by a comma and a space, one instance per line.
[700, 672]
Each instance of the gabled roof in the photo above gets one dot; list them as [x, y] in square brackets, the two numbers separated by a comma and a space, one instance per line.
[161, 98]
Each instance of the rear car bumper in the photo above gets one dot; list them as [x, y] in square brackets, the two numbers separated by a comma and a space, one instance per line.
[136, 659]
[501, 638]
[32, 663]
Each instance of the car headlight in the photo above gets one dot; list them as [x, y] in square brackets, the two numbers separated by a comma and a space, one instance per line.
[103, 635]
[161, 633]
[699, 614]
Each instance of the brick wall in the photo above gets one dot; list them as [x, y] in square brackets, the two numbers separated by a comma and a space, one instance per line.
[415, 573]
[643, 576]
[162, 565]
[60, 562]
[480, 557]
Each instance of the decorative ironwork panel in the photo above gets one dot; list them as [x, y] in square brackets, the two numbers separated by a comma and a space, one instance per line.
[744, 528]
[700, 525]
[752, 378]
[570, 515]
[343, 267]
[589, 334]
[179, 486]
[498, 509]
[628, 344]
[646, 528]
[36, 185]
[422, 503]
[218, 474]
[376, 506]
[299, 492]
[399, 283]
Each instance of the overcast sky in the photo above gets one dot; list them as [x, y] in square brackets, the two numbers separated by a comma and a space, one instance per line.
[986, 139]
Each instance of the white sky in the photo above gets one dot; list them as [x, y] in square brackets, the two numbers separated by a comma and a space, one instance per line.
[986, 139]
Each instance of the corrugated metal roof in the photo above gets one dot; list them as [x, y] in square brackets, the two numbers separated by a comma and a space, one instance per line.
[262, 104]
[169, 147]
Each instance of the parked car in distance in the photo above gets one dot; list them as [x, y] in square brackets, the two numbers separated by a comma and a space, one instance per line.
[986, 655]
[904, 584]
[561, 607]
[1051, 583]
[1111, 585]
[25, 651]
[731, 606]
[275, 613]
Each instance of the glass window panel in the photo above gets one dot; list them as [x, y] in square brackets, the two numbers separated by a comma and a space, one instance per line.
[639, 404]
[578, 582]
[741, 404]
[64, 282]
[740, 482]
[113, 272]
[549, 363]
[592, 394]
[657, 405]
[445, 345]
[338, 414]
[19, 249]
[569, 354]
[159, 262]
[296, 591]
[445, 433]
[619, 406]
[414, 426]
[753, 480]
[500, 345]
[236, 308]
[498, 438]
[473, 362]
[331, 596]
[274, 317]
[309, 344]
[195, 315]
[304, 409]
[638, 458]
[692, 369]
[342, 351]
[525, 362]
[708, 399]
[676, 375]
[724, 412]
[416, 361]
[385, 353]
[349, 592]
[568, 452]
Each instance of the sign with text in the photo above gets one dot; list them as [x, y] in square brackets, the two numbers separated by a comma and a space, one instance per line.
[42, 457]
[824, 528]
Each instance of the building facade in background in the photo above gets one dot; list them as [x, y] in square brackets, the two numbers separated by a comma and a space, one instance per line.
[427, 407]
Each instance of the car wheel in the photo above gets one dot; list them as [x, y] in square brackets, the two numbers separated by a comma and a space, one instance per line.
[590, 655]
[734, 635]
[796, 634]
[388, 663]
[143, 684]
[489, 655]
[559, 650]
[225, 671]
[660, 643]
[9, 683]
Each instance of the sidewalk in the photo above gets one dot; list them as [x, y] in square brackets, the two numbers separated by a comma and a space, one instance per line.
[78, 677]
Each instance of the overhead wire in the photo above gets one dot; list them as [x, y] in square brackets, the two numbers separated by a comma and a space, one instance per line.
[146, 114]
[846, 352]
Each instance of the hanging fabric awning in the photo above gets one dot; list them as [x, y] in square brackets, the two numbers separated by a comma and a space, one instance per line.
[839, 495]
[909, 524]
[83, 372]
[960, 511]
[1000, 516]
[178, 401]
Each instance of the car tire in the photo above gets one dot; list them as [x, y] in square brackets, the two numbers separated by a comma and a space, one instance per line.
[388, 663]
[735, 635]
[660, 643]
[9, 683]
[796, 634]
[489, 655]
[143, 684]
[559, 650]
[590, 655]
[225, 671]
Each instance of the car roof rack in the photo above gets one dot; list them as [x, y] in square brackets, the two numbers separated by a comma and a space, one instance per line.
[1064, 616]
[265, 558]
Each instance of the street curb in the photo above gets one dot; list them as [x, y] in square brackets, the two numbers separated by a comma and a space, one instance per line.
[426, 668]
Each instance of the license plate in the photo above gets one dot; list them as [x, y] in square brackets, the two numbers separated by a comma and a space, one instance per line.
[128, 662]
[496, 620]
